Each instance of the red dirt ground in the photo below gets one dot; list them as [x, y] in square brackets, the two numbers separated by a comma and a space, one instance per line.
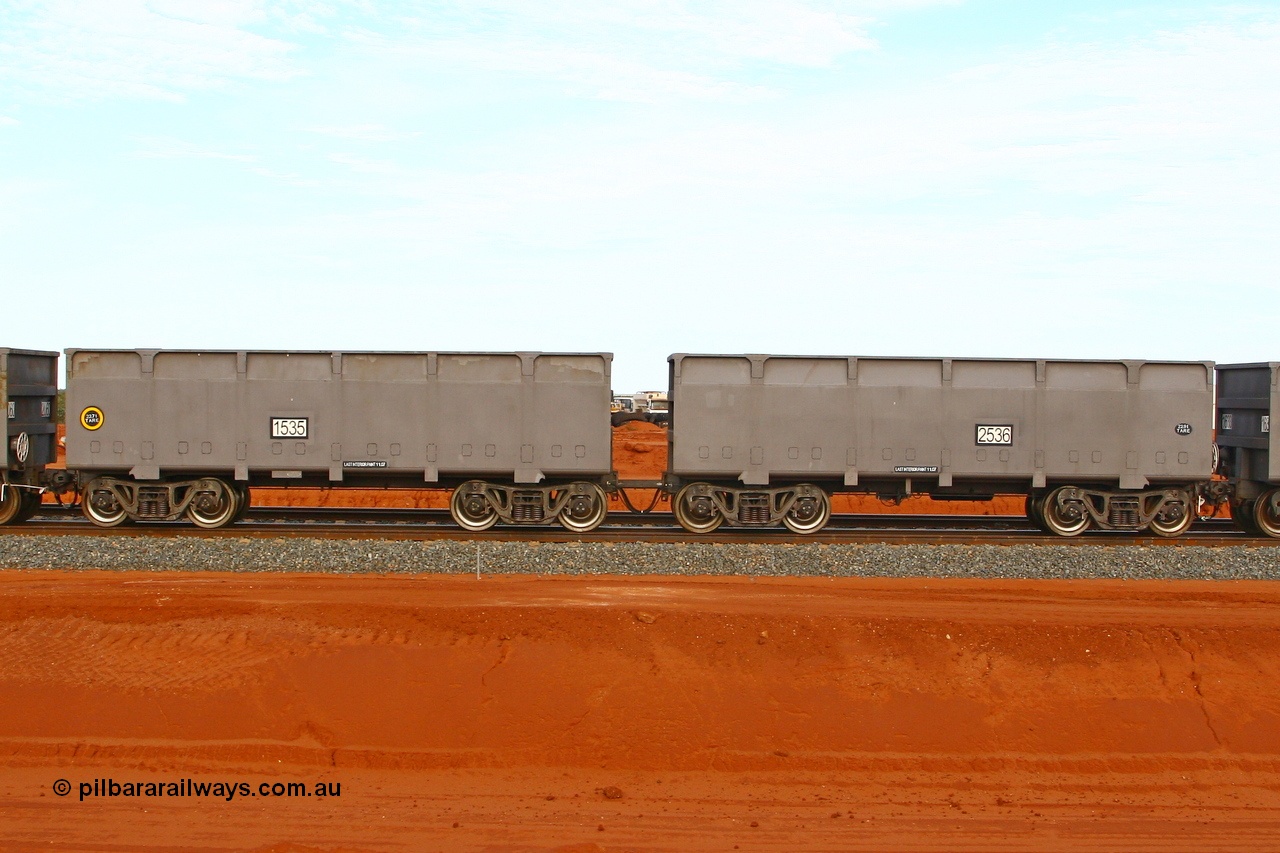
[520, 713]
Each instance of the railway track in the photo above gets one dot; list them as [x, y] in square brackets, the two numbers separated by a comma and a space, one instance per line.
[433, 524]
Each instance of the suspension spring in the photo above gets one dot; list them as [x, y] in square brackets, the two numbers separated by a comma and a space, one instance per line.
[753, 509]
[1124, 513]
[527, 508]
[153, 503]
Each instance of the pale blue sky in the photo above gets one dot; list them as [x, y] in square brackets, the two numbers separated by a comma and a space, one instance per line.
[890, 177]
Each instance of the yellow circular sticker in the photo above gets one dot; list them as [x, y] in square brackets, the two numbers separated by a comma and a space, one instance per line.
[91, 418]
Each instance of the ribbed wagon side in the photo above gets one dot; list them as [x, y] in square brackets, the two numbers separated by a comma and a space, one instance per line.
[28, 398]
[1248, 397]
[765, 439]
[520, 437]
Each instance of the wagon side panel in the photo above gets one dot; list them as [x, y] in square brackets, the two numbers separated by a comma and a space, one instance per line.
[713, 404]
[381, 409]
[109, 410]
[568, 433]
[991, 421]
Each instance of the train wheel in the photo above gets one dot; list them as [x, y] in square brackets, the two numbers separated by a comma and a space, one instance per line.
[470, 509]
[697, 513]
[1034, 508]
[215, 504]
[100, 505]
[585, 510]
[810, 512]
[1242, 517]
[1265, 517]
[30, 505]
[1173, 520]
[243, 502]
[1069, 520]
[11, 504]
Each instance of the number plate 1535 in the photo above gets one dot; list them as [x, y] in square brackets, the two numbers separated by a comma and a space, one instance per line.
[288, 427]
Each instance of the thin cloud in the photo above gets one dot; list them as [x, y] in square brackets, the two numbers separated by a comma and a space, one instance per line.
[1093, 163]
[290, 178]
[365, 133]
[153, 148]
[93, 49]
[584, 72]
[628, 51]
[364, 165]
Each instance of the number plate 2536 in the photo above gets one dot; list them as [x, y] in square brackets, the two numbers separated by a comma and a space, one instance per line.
[995, 434]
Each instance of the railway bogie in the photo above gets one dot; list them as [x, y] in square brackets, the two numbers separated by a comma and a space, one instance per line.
[702, 507]
[207, 502]
[1071, 510]
[579, 506]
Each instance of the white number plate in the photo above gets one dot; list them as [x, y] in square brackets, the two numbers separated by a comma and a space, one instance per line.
[998, 434]
[288, 427]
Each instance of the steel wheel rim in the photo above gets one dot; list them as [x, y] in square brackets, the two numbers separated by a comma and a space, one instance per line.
[230, 503]
[1034, 509]
[242, 499]
[591, 522]
[97, 516]
[460, 515]
[10, 505]
[1267, 522]
[1059, 526]
[688, 522]
[30, 505]
[818, 522]
[1174, 528]
[1242, 517]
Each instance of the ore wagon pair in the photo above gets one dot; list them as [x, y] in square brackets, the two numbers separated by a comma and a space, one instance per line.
[755, 440]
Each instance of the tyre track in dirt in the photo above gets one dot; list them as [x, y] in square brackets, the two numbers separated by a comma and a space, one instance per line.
[957, 714]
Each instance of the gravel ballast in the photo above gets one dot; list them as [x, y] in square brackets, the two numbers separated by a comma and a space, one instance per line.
[600, 558]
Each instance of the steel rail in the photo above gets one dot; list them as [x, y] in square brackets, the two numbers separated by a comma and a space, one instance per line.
[429, 524]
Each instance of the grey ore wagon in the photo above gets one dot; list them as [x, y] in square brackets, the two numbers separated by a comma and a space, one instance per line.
[1248, 396]
[28, 397]
[763, 439]
[521, 437]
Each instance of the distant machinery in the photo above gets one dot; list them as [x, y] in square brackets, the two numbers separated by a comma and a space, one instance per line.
[651, 406]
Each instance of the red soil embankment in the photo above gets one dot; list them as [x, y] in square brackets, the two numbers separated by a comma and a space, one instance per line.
[640, 714]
